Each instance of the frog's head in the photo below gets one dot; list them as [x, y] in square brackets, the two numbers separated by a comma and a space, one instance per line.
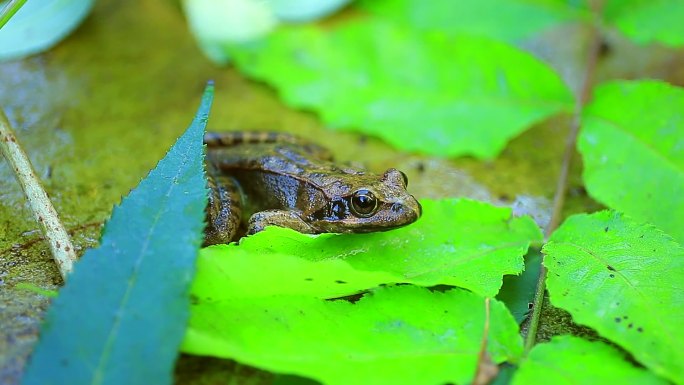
[368, 202]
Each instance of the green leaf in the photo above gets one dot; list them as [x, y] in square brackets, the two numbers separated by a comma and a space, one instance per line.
[632, 144]
[457, 242]
[395, 335]
[419, 91]
[572, 360]
[624, 279]
[262, 302]
[648, 21]
[496, 19]
[224, 270]
[126, 303]
[39, 25]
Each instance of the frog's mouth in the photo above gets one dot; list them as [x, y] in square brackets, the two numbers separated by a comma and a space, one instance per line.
[390, 216]
[375, 229]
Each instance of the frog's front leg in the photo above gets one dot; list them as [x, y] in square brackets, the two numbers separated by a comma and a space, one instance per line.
[282, 218]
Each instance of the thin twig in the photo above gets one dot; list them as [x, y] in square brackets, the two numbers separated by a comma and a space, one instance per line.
[10, 9]
[486, 370]
[562, 183]
[60, 243]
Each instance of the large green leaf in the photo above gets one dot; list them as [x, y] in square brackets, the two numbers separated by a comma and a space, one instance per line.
[457, 242]
[572, 360]
[39, 25]
[624, 279]
[224, 270]
[395, 335]
[419, 91]
[632, 144]
[497, 19]
[126, 303]
[647, 21]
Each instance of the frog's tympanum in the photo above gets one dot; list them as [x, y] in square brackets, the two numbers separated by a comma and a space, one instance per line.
[280, 180]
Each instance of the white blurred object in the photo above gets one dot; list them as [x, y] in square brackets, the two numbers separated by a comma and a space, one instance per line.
[39, 25]
[305, 10]
[218, 23]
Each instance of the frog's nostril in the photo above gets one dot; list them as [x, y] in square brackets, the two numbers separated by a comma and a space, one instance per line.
[396, 207]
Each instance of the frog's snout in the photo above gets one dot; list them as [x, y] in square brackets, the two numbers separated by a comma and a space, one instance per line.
[410, 209]
[415, 206]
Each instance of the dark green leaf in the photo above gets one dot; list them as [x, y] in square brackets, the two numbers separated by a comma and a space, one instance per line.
[572, 360]
[624, 279]
[632, 144]
[518, 291]
[395, 335]
[122, 313]
[419, 91]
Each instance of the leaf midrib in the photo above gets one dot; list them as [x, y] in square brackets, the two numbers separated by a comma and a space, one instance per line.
[100, 372]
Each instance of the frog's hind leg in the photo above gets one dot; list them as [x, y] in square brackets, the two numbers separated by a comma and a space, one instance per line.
[236, 138]
[224, 210]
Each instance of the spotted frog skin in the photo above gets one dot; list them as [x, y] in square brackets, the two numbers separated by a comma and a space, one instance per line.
[275, 179]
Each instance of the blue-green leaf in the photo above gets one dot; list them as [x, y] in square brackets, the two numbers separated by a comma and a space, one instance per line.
[122, 313]
[39, 25]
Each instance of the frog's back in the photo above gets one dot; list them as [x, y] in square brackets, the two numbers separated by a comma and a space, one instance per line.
[281, 174]
[309, 163]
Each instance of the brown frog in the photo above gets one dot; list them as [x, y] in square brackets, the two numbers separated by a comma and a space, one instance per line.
[280, 180]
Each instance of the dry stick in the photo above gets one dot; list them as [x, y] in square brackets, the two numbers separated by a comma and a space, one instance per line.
[562, 184]
[60, 243]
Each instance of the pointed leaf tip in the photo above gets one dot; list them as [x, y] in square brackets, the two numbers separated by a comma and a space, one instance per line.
[127, 300]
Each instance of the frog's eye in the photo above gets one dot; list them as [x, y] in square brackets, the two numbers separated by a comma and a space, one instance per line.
[363, 203]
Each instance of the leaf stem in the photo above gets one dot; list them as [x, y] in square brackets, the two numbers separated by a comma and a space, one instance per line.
[562, 182]
[486, 370]
[60, 243]
[9, 10]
